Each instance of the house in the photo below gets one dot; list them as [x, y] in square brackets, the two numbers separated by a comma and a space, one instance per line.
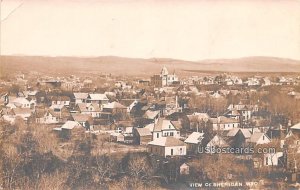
[273, 159]
[194, 141]
[61, 111]
[97, 99]
[32, 95]
[80, 97]
[129, 103]
[117, 137]
[114, 107]
[224, 123]
[238, 137]
[163, 128]
[151, 116]
[46, 116]
[22, 102]
[89, 108]
[142, 136]
[167, 146]
[243, 110]
[83, 119]
[24, 113]
[259, 138]
[216, 142]
[60, 100]
[71, 129]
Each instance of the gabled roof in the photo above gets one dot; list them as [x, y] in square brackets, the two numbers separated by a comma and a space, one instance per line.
[84, 107]
[114, 105]
[80, 117]
[98, 97]
[177, 124]
[70, 125]
[143, 132]
[217, 141]
[150, 114]
[127, 102]
[246, 132]
[296, 127]
[167, 142]
[232, 132]
[194, 138]
[81, 95]
[163, 124]
[256, 136]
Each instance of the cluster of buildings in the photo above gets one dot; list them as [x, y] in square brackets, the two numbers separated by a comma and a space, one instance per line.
[161, 119]
[229, 80]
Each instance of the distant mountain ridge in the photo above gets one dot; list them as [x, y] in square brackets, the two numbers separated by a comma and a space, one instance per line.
[138, 66]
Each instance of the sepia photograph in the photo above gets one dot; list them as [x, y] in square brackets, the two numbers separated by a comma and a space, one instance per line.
[149, 94]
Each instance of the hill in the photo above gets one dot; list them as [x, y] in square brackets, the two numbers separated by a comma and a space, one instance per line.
[136, 66]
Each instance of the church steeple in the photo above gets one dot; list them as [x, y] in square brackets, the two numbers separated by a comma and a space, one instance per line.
[164, 71]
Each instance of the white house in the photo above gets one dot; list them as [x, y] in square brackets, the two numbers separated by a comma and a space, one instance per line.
[163, 128]
[259, 138]
[81, 97]
[167, 146]
[272, 159]
[89, 108]
[60, 100]
[97, 99]
[47, 117]
[224, 123]
[22, 102]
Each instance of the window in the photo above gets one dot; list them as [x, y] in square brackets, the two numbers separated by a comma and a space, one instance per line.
[172, 152]
[264, 137]
[157, 135]
[171, 134]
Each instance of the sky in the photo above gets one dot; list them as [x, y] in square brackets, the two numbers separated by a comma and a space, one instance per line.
[189, 30]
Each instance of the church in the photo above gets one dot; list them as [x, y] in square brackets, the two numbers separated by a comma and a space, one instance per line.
[164, 78]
